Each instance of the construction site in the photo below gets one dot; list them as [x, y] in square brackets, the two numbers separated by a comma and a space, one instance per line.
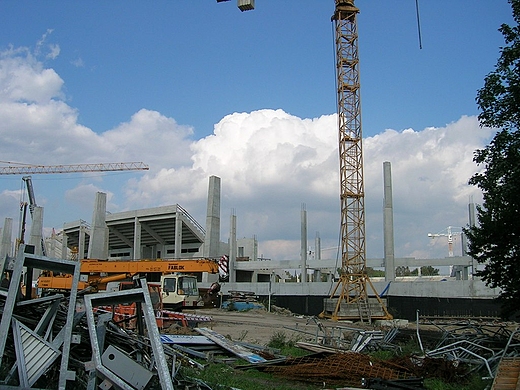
[131, 300]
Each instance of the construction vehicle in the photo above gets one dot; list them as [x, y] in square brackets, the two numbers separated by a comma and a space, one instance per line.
[177, 282]
[126, 315]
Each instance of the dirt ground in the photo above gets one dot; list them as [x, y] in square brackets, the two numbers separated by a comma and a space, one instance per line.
[259, 326]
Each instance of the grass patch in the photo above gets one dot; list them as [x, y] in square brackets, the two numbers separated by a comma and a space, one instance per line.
[223, 377]
[475, 383]
[286, 345]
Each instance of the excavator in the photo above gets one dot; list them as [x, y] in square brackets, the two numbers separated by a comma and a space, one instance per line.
[178, 284]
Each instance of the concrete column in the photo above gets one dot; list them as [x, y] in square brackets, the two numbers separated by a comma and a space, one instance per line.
[303, 250]
[388, 223]
[212, 239]
[178, 234]
[36, 230]
[255, 248]
[317, 256]
[137, 239]
[81, 244]
[472, 222]
[5, 242]
[64, 245]
[98, 243]
[51, 250]
[232, 248]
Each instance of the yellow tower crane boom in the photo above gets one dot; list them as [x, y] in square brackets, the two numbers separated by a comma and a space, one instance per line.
[27, 169]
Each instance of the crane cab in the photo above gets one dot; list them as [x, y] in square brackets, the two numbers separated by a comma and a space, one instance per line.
[180, 291]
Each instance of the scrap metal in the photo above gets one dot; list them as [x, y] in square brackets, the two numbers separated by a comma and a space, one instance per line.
[346, 368]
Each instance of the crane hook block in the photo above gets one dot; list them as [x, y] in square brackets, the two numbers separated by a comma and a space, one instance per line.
[246, 5]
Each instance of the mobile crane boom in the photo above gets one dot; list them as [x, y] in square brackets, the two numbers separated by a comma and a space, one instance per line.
[145, 266]
[179, 288]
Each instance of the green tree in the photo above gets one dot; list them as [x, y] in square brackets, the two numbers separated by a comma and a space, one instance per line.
[495, 241]
[405, 271]
[375, 273]
[428, 270]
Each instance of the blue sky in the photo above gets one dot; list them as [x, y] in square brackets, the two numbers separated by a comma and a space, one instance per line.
[190, 65]
[197, 61]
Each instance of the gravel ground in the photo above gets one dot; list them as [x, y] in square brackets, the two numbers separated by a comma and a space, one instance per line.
[259, 326]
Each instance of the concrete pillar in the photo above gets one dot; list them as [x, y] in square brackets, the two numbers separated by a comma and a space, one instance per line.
[137, 239]
[81, 244]
[255, 248]
[317, 256]
[303, 250]
[64, 245]
[472, 222]
[178, 234]
[5, 242]
[51, 250]
[36, 230]
[232, 248]
[388, 223]
[98, 243]
[212, 239]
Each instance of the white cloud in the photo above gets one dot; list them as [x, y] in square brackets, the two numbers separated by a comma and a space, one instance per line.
[270, 163]
[25, 81]
[54, 52]
[78, 62]
[85, 195]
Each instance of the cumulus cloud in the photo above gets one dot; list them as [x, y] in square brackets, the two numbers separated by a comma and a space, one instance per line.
[270, 163]
[430, 173]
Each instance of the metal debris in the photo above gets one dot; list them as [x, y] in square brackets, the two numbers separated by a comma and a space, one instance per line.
[49, 341]
[343, 338]
[480, 345]
[230, 346]
[348, 368]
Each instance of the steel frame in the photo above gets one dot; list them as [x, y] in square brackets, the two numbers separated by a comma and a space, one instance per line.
[352, 286]
[134, 295]
[31, 261]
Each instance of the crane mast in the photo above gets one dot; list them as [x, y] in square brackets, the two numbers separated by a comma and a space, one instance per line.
[349, 299]
[351, 289]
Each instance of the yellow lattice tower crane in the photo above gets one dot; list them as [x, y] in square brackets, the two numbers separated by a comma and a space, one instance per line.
[349, 299]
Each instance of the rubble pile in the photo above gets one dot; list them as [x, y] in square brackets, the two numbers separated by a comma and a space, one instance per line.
[348, 368]
[72, 341]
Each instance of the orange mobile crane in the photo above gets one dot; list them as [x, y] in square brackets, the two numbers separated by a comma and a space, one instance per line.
[177, 281]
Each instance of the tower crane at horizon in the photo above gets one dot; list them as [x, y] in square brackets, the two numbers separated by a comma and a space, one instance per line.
[450, 233]
[27, 169]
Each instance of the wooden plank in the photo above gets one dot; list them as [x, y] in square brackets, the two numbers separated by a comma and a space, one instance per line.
[507, 376]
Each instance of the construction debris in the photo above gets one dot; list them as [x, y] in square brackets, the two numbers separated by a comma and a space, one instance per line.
[348, 368]
[242, 301]
[78, 340]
